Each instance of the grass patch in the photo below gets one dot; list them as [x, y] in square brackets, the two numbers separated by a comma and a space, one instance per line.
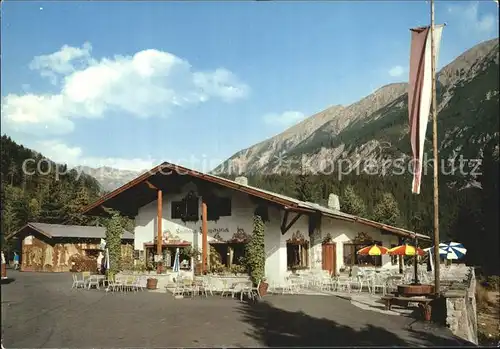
[482, 298]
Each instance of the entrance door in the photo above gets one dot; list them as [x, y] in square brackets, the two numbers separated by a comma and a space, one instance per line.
[329, 257]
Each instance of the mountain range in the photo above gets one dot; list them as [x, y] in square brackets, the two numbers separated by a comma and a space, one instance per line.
[108, 177]
[375, 128]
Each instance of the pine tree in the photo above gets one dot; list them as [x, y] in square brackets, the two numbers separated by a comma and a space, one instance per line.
[34, 210]
[74, 207]
[489, 207]
[351, 203]
[386, 210]
[305, 187]
[52, 208]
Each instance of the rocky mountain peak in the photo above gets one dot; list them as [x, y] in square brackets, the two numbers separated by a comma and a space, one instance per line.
[378, 123]
[469, 63]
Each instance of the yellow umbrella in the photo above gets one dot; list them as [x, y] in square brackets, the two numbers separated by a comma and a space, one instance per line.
[373, 250]
[406, 250]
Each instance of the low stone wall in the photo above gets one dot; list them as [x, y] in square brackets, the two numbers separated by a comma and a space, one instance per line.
[461, 314]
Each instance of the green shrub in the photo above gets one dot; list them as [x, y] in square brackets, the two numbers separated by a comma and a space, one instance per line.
[255, 254]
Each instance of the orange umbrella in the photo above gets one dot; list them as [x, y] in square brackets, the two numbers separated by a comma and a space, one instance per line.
[406, 250]
[373, 250]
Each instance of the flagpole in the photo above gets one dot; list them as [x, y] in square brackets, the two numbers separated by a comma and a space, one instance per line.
[436, 158]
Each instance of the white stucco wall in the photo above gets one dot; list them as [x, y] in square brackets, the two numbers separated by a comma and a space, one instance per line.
[344, 232]
[146, 221]
[242, 218]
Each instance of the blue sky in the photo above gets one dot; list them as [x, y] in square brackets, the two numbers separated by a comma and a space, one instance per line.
[131, 84]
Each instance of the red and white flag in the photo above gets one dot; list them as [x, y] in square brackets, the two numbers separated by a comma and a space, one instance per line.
[420, 93]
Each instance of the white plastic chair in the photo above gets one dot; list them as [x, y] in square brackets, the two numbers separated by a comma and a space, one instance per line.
[77, 282]
[379, 282]
[93, 281]
[110, 284]
[289, 287]
[327, 283]
[179, 288]
[357, 278]
[343, 284]
[254, 291]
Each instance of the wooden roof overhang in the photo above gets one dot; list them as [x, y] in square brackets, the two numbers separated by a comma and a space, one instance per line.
[170, 178]
[27, 229]
[169, 244]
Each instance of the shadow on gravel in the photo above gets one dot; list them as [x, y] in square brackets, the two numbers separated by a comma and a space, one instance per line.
[7, 281]
[275, 327]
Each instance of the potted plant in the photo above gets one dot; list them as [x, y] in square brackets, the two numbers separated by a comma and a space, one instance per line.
[263, 286]
[152, 283]
[194, 254]
[237, 269]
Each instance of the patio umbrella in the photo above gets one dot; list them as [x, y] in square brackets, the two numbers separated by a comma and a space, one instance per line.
[454, 250]
[442, 249]
[408, 250]
[373, 250]
[176, 266]
[442, 253]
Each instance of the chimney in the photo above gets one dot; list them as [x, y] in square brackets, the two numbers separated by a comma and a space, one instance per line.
[333, 202]
[241, 180]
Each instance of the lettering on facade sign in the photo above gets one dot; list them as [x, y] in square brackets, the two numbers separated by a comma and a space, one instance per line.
[28, 240]
[218, 230]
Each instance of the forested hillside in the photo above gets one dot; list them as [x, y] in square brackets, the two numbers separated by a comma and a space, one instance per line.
[34, 188]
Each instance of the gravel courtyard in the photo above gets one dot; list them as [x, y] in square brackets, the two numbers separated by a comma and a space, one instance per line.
[41, 311]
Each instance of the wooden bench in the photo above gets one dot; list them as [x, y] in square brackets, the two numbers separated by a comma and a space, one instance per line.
[422, 302]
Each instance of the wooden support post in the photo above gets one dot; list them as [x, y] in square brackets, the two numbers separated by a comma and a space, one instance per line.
[415, 263]
[400, 258]
[436, 158]
[204, 236]
[159, 218]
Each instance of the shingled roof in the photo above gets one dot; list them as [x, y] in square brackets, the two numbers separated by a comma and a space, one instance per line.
[69, 231]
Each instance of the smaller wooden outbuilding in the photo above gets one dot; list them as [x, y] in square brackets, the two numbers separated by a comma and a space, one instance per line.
[60, 248]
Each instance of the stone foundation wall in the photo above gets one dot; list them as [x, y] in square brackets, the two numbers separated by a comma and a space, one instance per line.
[461, 314]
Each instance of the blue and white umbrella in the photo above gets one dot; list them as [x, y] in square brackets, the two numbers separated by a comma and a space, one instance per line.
[455, 250]
[443, 249]
[176, 266]
[451, 250]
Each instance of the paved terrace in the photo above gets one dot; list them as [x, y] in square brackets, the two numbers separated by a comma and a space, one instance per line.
[41, 311]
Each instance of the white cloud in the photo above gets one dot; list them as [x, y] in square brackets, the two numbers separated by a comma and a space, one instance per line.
[62, 62]
[286, 118]
[396, 71]
[61, 153]
[149, 83]
[469, 19]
